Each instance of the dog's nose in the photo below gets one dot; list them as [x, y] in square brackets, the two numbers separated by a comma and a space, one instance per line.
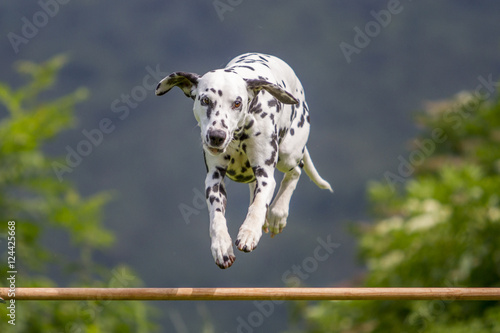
[216, 137]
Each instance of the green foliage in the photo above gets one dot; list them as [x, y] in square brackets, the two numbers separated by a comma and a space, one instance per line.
[439, 229]
[32, 196]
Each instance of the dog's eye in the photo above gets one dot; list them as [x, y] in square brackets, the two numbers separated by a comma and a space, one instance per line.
[236, 105]
[205, 101]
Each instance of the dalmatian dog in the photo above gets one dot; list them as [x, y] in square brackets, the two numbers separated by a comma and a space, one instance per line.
[253, 118]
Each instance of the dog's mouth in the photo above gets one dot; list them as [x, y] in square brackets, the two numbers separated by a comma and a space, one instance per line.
[214, 151]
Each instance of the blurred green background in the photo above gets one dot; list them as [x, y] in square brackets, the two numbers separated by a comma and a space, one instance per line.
[116, 214]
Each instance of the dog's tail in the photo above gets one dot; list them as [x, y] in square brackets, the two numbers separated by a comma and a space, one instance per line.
[313, 174]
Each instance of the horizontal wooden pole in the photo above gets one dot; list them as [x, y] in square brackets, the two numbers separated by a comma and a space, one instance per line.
[238, 294]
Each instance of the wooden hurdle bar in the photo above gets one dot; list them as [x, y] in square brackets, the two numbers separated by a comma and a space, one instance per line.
[245, 294]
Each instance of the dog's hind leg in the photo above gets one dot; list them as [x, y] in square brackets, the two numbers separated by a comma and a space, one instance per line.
[278, 212]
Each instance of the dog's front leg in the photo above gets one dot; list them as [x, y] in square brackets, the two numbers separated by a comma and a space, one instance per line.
[222, 247]
[251, 229]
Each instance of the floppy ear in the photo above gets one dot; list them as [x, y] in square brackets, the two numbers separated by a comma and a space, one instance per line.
[279, 93]
[183, 80]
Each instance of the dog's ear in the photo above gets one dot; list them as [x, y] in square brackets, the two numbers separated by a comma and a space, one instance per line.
[279, 93]
[183, 80]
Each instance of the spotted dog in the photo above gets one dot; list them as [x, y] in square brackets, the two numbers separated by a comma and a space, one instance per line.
[253, 118]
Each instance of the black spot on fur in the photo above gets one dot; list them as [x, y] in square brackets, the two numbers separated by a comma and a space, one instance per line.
[248, 179]
[292, 131]
[259, 172]
[292, 114]
[222, 190]
[301, 122]
[281, 134]
[222, 171]
[219, 92]
[249, 125]
[270, 161]
[273, 143]
[210, 108]
[244, 136]
[255, 107]
[263, 115]
[248, 67]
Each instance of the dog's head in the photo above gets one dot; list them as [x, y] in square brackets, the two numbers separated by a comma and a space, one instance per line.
[221, 102]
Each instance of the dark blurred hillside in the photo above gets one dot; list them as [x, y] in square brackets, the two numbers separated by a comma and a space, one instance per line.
[361, 107]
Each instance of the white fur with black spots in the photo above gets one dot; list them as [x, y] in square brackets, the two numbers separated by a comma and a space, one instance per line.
[253, 119]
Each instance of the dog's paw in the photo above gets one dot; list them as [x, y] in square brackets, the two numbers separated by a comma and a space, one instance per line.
[222, 251]
[276, 220]
[265, 227]
[248, 239]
